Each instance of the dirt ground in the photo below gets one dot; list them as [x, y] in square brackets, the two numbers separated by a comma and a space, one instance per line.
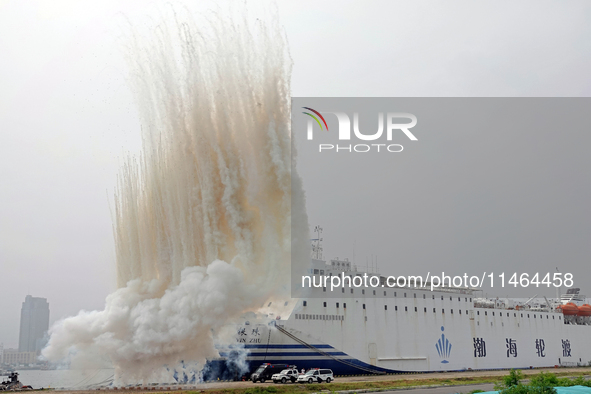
[362, 378]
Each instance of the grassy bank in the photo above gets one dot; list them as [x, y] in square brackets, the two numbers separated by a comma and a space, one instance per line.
[378, 385]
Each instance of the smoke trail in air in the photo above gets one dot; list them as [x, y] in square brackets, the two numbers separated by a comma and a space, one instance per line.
[202, 219]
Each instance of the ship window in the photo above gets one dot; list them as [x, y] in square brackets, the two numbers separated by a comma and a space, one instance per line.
[405, 295]
[442, 310]
[415, 295]
[547, 317]
[552, 317]
[321, 272]
[424, 296]
[466, 299]
[450, 298]
[385, 307]
[305, 303]
[485, 313]
[362, 291]
[466, 311]
[459, 310]
[433, 296]
[395, 307]
[493, 313]
[441, 298]
[559, 317]
[416, 309]
[351, 291]
[528, 315]
[470, 299]
[343, 290]
[491, 324]
[324, 289]
[344, 305]
[363, 306]
[374, 292]
[515, 315]
[394, 294]
[406, 309]
[452, 311]
[315, 272]
[425, 309]
[534, 315]
[337, 304]
[507, 314]
[459, 299]
[384, 293]
[433, 310]
[324, 304]
[522, 315]
[478, 313]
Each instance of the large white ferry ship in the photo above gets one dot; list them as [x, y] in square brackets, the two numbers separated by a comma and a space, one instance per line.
[412, 329]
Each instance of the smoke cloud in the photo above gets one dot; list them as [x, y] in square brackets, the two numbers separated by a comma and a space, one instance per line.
[202, 218]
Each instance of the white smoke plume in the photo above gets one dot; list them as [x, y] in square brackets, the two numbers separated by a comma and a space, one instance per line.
[202, 219]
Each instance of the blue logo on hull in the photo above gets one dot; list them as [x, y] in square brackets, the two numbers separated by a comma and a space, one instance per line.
[443, 347]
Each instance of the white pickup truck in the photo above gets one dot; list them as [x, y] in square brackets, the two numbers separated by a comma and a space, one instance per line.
[290, 374]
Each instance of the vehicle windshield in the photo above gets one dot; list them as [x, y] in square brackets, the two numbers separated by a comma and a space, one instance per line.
[259, 370]
[310, 372]
[285, 371]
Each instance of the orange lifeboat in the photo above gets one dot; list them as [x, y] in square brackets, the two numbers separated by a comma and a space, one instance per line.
[585, 310]
[569, 309]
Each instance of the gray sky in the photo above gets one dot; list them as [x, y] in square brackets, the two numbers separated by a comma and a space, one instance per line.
[67, 115]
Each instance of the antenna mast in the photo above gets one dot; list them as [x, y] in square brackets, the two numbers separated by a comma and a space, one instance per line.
[316, 243]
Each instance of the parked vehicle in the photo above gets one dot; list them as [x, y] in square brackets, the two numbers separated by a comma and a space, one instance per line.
[266, 371]
[316, 375]
[290, 374]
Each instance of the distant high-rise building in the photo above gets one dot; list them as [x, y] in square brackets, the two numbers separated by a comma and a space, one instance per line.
[34, 324]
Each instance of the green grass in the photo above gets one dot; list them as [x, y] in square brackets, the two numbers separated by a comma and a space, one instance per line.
[542, 383]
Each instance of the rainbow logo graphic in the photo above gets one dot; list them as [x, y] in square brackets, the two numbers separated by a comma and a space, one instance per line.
[315, 118]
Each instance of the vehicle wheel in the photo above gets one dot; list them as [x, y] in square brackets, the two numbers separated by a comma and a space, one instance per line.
[254, 380]
[310, 380]
[262, 380]
[283, 380]
[327, 380]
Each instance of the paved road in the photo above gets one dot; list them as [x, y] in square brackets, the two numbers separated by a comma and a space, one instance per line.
[444, 390]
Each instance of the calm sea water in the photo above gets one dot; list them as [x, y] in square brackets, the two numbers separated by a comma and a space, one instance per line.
[67, 378]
